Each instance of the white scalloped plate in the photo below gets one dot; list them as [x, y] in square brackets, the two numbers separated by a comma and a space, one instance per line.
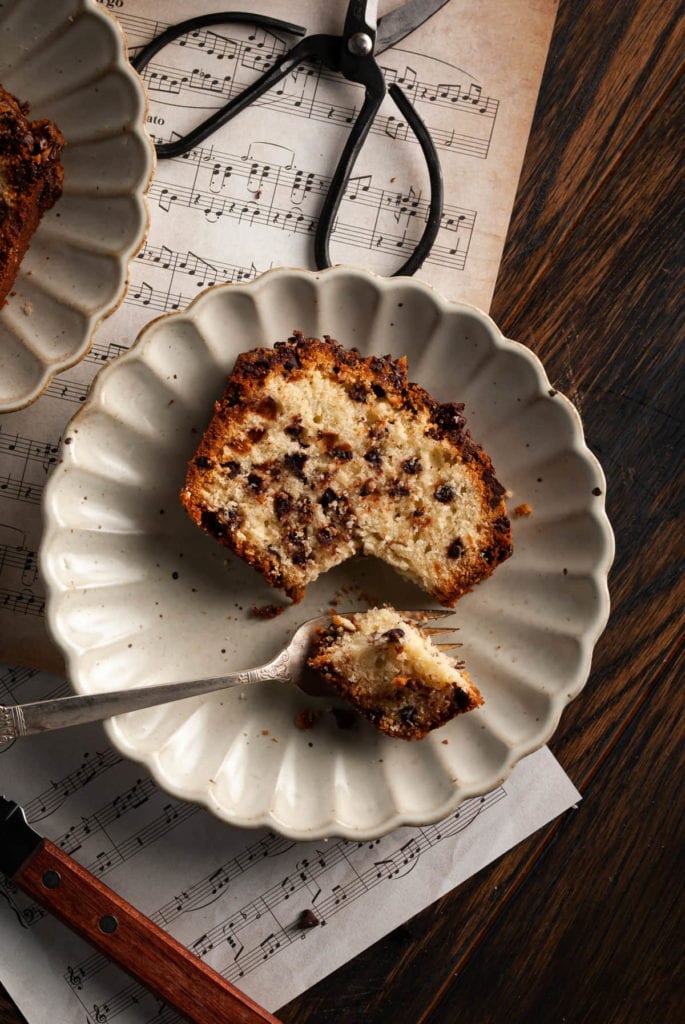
[138, 595]
[68, 59]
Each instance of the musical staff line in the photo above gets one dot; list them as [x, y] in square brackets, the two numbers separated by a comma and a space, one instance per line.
[50, 800]
[294, 220]
[197, 896]
[264, 909]
[12, 679]
[18, 446]
[329, 112]
[67, 390]
[173, 81]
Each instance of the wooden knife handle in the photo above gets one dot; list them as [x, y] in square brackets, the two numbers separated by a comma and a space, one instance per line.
[132, 941]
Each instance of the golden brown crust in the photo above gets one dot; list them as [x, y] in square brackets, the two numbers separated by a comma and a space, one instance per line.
[31, 179]
[366, 381]
[406, 712]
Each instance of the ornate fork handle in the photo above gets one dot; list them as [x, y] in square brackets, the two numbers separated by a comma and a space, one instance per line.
[41, 716]
[12, 724]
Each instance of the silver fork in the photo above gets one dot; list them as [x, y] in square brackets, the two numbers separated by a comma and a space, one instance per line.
[289, 666]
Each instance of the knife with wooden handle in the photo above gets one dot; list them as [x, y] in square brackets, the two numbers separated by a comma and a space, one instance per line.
[116, 928]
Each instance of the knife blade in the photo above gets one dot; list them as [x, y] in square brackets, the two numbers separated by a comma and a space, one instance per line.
[116, 928]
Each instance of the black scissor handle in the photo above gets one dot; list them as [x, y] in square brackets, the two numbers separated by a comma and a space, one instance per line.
[143, 58]
[280, 68]
[345, 167]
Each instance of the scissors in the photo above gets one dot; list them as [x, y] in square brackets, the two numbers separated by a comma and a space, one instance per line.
[352, 55]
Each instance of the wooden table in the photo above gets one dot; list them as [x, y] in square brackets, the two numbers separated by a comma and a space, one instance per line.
[578, 923]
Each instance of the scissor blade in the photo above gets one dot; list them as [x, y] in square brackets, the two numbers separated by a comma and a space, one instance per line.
[402, 21]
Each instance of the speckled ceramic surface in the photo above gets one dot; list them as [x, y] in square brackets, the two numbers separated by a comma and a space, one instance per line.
[138, 595]
[67, 58]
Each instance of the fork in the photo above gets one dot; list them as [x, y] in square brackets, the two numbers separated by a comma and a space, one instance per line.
[288, 666]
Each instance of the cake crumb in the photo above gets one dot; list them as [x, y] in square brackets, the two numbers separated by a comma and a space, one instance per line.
[265, 732]
[27, 309]
[524, 509]
[445, 742]
[306, 718]
[267, 611]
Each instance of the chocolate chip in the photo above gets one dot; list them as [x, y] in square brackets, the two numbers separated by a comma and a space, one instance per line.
[373, 457]
[412, 466]
[282, 505]
[378, 391]
[217, 522]
[357, 393]
[233, 468]
[456, 549]
[325, 536]
[596, 491]
[329, 497]
[202, 462]
[367, 488]
[233, 395]
[461, 699]
[294, 429]
[299, 556]
[255, 482]
[444, 494]
[449, 421]
[256, 434]
[294, 461]
[267, 408]
[397, 489]
[393, 635]
[307, 919]
[342, 454]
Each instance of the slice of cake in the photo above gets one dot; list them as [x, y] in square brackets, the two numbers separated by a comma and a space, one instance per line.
[386, 666]
[30, 181]
[316, 453]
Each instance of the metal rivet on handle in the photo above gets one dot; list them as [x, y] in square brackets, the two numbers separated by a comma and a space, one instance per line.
[51, 879]
[360, 44]
[108, 924]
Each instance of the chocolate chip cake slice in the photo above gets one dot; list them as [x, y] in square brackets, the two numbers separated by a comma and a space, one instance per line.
[385, 665]
[316, 453]
[30, 181]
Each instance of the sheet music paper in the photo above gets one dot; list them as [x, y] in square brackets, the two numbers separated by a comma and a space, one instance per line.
[232, 896]
[247, 199]
[244, 201]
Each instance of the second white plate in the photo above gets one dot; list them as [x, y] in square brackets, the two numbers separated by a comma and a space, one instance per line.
[67, 58]
[138, 595]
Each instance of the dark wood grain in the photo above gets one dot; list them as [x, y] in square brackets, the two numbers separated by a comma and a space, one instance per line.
[609, 67]
[578, 923]
[599, 909]
[131, 940]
